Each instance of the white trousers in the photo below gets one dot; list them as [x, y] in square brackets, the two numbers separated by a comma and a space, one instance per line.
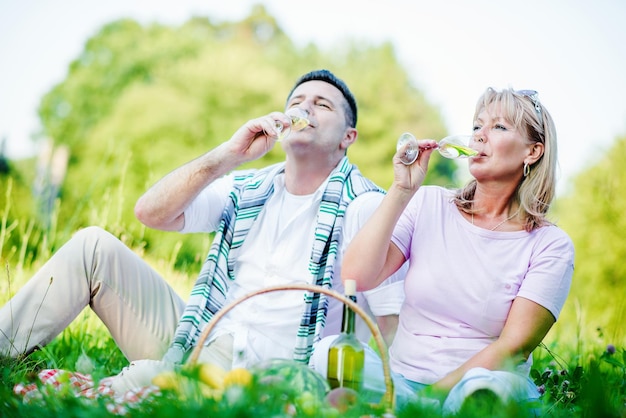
[93, 269]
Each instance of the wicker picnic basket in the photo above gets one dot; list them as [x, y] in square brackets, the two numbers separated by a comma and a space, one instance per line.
[388, 399]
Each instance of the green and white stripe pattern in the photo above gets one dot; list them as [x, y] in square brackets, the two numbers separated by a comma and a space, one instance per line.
[247, 199]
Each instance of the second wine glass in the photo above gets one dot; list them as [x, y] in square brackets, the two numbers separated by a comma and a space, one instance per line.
[453, 146]
[299, 120]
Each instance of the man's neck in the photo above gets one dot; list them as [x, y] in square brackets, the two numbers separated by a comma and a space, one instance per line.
[304, 178]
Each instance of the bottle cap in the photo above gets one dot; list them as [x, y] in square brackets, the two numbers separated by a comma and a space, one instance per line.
[349, 287]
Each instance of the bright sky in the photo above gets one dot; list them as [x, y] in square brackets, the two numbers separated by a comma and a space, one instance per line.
[572, 51]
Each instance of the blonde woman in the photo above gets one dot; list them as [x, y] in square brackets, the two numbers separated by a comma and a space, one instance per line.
[488, 272]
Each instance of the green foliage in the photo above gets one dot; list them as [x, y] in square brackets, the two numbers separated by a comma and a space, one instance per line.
[598, 388]
[593, 215]
[22, 239]
[140, 101]
[84, 338]
[595, 388]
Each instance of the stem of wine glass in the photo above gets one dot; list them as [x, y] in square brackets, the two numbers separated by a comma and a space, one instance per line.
[283, 132]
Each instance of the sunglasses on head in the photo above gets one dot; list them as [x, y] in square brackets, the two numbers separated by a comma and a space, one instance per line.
[534, 97]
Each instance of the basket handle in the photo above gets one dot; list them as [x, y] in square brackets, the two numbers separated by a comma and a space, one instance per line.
[388, 399]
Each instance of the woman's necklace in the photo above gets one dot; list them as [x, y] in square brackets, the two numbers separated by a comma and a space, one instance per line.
[501, 223]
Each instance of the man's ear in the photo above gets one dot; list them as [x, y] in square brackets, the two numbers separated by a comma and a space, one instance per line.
[349, 138]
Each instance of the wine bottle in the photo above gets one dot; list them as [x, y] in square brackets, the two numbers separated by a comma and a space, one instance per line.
[346, 356]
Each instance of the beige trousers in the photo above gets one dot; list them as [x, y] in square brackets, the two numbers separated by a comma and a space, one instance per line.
[93, 269]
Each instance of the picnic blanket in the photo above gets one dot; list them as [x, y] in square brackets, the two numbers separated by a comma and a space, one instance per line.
[83, 385]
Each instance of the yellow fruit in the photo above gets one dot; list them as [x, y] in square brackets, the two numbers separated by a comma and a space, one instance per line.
[238, 376]
[209, 392]
[167, 380]
[184, 386]
[213, 375]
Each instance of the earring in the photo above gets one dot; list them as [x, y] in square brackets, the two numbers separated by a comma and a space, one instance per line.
[526, 169]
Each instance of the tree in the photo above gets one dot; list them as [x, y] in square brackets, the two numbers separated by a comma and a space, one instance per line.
[140, 101]
[593, 215]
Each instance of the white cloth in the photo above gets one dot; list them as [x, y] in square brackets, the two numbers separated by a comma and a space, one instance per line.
[276, 252]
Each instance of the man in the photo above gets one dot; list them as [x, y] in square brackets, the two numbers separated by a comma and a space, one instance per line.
[287, 223]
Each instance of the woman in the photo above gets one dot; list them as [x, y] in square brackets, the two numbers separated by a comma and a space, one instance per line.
[488, 273]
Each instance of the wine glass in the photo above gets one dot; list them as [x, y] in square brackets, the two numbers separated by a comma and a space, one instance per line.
[299, 120]
[453, 146]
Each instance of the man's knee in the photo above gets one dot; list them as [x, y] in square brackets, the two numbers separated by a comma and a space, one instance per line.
[94, 242]
[94, 235]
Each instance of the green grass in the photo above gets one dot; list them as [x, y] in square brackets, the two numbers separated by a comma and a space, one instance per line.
[579, 377]
[575, 384]
[590, 387]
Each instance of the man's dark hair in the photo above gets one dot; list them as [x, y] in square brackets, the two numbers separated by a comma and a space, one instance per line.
[330, 78]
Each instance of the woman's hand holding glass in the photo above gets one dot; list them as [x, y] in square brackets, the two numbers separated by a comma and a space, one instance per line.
[409, 177]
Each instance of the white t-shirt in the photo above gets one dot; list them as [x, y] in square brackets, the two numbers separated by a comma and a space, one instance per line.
[276, 251]
[462, 280]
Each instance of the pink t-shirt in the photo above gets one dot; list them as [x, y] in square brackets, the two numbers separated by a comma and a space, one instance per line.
[462, 280]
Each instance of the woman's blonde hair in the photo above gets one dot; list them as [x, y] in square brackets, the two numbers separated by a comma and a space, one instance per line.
[536, 190]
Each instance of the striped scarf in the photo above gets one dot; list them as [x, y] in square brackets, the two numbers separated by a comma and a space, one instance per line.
[247, 199]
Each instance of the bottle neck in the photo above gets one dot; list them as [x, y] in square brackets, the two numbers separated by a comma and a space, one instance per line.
[348, 321]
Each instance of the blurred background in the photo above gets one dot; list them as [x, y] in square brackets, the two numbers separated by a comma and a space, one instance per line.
[100, 99]
[572, 52]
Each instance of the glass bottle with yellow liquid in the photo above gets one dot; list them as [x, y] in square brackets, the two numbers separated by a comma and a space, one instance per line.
[346, 357]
